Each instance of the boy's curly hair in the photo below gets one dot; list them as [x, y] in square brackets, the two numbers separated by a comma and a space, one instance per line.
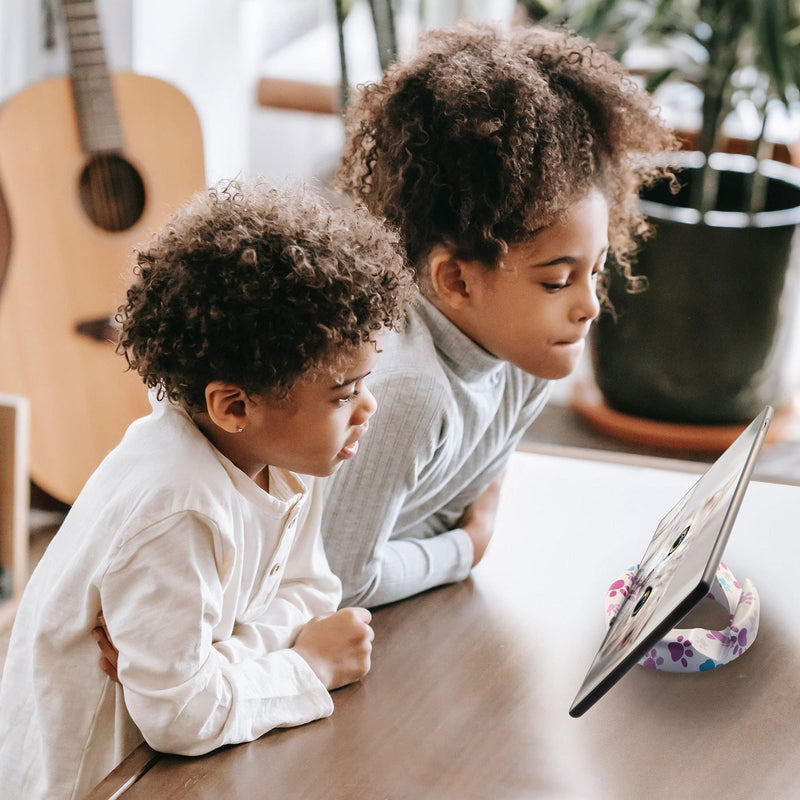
[482, 138]
[257, 286]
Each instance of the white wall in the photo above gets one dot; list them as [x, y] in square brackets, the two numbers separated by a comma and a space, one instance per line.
[215, 51]
[211, 50]
[25, 56]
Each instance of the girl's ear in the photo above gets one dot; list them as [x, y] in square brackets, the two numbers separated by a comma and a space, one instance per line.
[449, 278]
[226, 404]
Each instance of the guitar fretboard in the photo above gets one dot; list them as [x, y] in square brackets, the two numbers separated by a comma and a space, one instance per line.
[95, 107]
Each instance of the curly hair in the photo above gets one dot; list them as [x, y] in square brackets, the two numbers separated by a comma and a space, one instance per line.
[483, 138]
[257, 286]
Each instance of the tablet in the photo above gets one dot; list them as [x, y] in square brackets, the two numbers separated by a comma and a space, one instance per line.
[678, 566]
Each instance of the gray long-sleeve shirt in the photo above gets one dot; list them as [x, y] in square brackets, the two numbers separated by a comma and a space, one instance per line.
[449, 415]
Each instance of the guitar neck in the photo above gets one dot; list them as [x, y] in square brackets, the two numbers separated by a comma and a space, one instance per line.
[98, 121]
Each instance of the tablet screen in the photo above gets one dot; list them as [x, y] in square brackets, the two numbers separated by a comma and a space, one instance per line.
[678, 565]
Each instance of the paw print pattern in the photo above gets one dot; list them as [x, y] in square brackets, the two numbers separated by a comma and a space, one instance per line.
[681, 650]
[720, 637]
[711, 649]
[748, 598]
[616, 594]
[652, 660]
[618, 587]
[739, 640]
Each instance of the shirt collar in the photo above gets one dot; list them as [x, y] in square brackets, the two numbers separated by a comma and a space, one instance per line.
[463, 356]
[287, 488]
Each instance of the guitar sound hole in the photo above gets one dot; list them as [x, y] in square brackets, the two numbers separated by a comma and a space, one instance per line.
[112, 193]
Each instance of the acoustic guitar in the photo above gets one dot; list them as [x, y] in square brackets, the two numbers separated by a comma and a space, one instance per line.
[90, 165]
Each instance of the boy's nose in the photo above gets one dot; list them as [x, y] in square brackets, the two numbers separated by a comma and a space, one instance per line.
[366, 408]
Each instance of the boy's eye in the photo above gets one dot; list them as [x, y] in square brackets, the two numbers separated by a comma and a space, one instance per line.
[348, 397]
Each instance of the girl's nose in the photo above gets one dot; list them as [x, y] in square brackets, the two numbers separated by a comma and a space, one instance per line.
[588, 306]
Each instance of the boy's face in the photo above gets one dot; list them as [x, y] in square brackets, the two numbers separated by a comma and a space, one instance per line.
[317, 428]
[536, 309]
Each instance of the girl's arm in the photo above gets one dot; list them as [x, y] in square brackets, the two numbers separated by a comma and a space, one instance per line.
[397, 463]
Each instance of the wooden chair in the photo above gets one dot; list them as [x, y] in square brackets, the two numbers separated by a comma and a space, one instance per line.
[14, 499]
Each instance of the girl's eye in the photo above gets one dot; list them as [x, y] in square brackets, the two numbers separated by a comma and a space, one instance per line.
[555, 287]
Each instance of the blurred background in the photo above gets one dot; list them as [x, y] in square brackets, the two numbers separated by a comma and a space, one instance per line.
[265, 80]
[231, 57]
[215, 51]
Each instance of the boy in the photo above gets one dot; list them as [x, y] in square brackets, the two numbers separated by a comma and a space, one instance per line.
[255, 318]
[511, 165]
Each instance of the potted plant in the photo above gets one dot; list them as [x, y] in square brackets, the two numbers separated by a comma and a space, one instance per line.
[383, 19]
[705, 343]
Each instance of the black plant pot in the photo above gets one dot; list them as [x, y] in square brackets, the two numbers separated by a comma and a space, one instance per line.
[706, 343]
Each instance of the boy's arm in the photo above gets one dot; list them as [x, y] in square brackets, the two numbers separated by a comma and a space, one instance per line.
[188, 693]
[364, 500]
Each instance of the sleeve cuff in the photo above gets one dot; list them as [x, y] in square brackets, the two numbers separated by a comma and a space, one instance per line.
[466, 553]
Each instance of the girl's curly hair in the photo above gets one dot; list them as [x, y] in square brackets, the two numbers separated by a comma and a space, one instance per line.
[482, 138]
[256, 286]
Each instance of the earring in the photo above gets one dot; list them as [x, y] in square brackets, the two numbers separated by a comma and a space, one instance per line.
[239, 429]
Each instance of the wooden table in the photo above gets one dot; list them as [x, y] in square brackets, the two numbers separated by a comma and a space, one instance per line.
[471, 683]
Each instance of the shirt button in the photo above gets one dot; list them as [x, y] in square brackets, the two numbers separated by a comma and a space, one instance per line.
[275, 568]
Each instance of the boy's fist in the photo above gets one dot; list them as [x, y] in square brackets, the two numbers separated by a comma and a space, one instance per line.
[338, 646]
[108, 653]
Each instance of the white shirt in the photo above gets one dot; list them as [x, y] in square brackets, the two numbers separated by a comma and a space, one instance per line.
[204, 580]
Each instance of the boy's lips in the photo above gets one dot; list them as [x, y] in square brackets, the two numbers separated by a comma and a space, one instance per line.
[349, 450]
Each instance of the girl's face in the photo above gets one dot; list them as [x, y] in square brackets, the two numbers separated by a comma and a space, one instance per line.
[536, 309]
[318, 427]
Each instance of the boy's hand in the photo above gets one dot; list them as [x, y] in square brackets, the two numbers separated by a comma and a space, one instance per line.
[338, 647]
[108, 653]
[478, 520]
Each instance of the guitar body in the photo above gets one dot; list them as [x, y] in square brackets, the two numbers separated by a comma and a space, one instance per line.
[64, 270]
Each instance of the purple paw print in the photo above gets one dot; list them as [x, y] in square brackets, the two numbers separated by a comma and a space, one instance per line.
[652, 660]
[719, 636]
[681, 650]
[739, 640]
[747, 598]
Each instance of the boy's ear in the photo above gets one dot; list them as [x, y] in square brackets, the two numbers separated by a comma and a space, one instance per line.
[226, 405]
[449, 278]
